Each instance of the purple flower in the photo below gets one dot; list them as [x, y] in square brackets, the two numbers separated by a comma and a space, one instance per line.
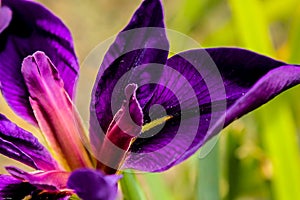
[93, 185]
[199, 92]
[38, 73]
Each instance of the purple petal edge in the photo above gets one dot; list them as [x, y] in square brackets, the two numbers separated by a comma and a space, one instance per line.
[15, 188]
[143, 41]
[33, 28]
[12, 151]
[49, 180]
[27, 149]
[5, 17]
[93, 185]
[249, 79]
[6, 180]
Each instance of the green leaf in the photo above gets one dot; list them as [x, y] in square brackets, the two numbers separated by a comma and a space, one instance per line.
[130, 187]
[278, 133]
[157, 187]
[294, 39]
[191, 13]
[251, 24]
[278, 9]
[74, 197]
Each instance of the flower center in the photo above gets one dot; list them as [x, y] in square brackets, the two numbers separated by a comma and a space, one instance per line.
[123, 130]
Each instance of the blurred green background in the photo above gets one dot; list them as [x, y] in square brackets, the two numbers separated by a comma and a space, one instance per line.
[257, 157]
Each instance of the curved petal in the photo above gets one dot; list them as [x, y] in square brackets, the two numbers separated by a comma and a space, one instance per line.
[33, 28]
[12, 151]
[49, 180]
[6, 180]
[143, 41]
[56, 115]
[21, 145]
[248, 80]
[13, 188]
[5, 17]
[93, 185]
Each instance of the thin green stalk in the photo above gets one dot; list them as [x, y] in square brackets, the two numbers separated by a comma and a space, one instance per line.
[130, 187]
[209, 176]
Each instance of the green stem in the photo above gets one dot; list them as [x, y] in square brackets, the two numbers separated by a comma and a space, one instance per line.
[130, 187]
[209, 176]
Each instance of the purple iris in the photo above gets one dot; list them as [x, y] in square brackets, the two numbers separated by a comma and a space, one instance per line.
[38, 74]
[199, 92]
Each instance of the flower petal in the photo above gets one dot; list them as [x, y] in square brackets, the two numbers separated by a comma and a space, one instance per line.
[56, 115]
[13, 188]
[33, 28]
[6, 180]
[49, 180]
[21, 145]
[93, 185]
[143, 41]
[12, 151]
[5, 17]
[242, 81]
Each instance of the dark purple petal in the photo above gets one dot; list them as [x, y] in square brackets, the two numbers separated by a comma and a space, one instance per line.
[21, 145]
[242, 81]
[5, 17]
[33, 28]
[6, 180]
[180, 92]
[12, 151]
[93, 185]
[49, 180]
[143, 41]
[56, 115]
[13, 188]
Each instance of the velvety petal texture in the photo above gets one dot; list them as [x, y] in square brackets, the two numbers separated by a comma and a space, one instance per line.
[21, 145]
[32, 28]
[12, 151]
[6, 180]
[93, 185]
[249, 80]
[142, 42]
[198, 91]
[56, 115]
[6, 183]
